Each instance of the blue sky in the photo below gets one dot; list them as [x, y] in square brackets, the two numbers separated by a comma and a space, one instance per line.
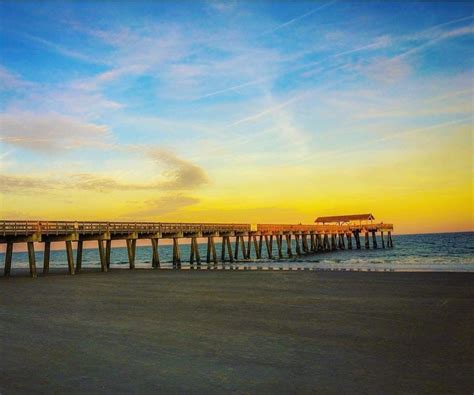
[183, 101]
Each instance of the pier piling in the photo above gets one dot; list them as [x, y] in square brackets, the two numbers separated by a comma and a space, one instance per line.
[176, 254]
[79, 256]
[70, 257]
[32, 258]
[374, 239]
[8, 259]
[46, 256]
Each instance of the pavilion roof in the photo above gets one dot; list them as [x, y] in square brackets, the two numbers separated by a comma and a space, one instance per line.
[345, 218]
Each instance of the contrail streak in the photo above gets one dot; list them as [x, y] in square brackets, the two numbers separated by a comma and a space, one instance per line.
[283, 25]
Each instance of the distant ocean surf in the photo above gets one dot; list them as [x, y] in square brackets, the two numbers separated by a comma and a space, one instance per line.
[452, 252]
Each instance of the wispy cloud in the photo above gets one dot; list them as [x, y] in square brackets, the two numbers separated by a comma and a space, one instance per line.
[181, 174]
[51, 132]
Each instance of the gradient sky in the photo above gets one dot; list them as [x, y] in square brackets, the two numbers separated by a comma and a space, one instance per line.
[238, 111]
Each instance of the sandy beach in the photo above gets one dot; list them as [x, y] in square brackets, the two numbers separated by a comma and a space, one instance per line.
[243, 332]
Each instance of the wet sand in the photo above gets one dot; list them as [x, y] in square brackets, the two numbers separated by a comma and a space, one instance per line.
[237, 332]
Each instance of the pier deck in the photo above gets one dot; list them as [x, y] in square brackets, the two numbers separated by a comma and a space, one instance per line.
[308, 239]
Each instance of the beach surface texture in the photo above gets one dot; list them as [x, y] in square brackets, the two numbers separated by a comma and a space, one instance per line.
[166, 331]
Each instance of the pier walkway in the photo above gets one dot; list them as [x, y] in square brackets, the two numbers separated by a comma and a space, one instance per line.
[320, 237]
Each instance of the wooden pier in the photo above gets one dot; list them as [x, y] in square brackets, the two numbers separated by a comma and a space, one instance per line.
[238, 240]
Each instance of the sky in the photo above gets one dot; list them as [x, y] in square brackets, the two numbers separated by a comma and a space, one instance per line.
[238, 111]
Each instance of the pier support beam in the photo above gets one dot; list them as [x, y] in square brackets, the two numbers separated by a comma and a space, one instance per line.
[223, 246]
[32, 259]
[312, 243]
[229, 250]
[305, 243]
[103, 262]
[249, 246]
[333, 241]
[211, 251]
[357, 239]
[268, 243]
[79, 256]
[342, 245]
[319, 242]
[279, 239]
[155, 260]
[8, 259]
[383, 241]
[131, 249]
[70, 257]
[108, 251]
[374, 239]
[46, 256]
[288, 246]
[326, 245]
[237, 245]
[176, 254]
[349, 240]
[389, 239]
[297, 241]
[367, 244]
[257, 247]
[242, 244]
[194, 253]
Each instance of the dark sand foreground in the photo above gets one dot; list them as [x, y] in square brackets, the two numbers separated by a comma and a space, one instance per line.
[245, 332]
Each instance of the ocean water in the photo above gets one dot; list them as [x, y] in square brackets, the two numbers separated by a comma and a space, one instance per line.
[424, 252]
